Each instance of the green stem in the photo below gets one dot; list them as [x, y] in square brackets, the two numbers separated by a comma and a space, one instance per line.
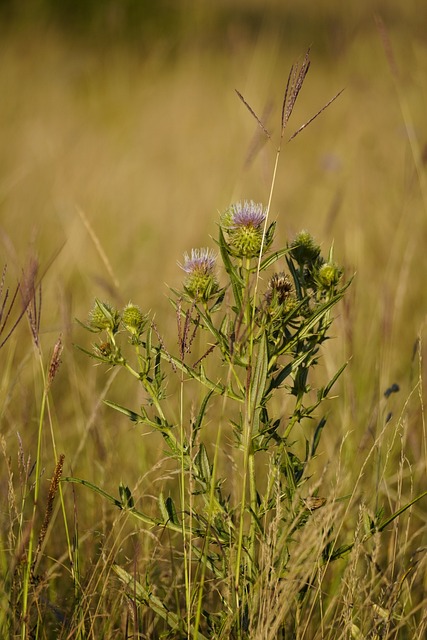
[254, 509]
[246, 466]
[184, 530]
[28, 565]
[208, 528]
[149, 388]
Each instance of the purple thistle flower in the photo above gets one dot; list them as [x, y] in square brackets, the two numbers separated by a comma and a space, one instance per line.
[246, 214]
[201, 282]
[243, 223]
[201, 261]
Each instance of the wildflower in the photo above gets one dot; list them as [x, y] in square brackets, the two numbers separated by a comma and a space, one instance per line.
[244, 224]
[133, 319]
[304, 249]
[201, 282]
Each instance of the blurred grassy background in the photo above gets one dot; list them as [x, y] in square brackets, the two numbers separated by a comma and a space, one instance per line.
[126, 111]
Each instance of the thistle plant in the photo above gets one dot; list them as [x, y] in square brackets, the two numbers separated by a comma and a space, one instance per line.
[263, 329]
[254, 319]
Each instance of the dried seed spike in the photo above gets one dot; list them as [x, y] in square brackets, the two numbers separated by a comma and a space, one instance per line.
[388, 49]
[8, 311]
[29, 281]
[289, 83]
[187, 324]
[305, 66]
[205, 355]
[294, 135]
[300, 78]
[193, 335]
[252, 112]
[3, 278]
[55, 362]
[294, 85]
[179, 324]
[162, 343]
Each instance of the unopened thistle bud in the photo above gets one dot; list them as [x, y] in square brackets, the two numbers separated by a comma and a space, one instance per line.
[328, 275]
[244, 225]
[133, 319]
[201, 282]
[104, 317]
[304, 249]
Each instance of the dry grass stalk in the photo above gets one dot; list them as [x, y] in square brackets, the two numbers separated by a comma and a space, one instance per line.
[53, 489]
[6, 309]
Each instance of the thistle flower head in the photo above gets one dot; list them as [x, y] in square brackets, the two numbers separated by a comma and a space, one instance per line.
[244, 214]
[203, 260]
[201, 282]
[280, 295]
[244, 225]
[280, 287]
[133, 319]
[104, 316]
[328, 275]
[304, 249]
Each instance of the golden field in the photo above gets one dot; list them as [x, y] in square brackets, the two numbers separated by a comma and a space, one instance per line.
[116, 158]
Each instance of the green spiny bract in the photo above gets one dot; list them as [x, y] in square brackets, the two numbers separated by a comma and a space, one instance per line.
[104, 317]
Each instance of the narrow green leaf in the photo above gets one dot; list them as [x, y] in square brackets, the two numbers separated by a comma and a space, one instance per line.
[236, 281]
[340, 552]
[390, 519]
[171, 511]
[199, 420]
[286, 371]
[148, 343]
[202, 463]
[126, 498]
[91, 354]
[272, 258]
[130, 510]
[326, 390]
[95, 489]
[317, 434]
[162, 506]
[134, 417]
[87, 327]
[218, 302]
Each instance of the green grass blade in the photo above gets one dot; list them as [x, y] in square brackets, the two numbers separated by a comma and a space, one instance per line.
[396, 514]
